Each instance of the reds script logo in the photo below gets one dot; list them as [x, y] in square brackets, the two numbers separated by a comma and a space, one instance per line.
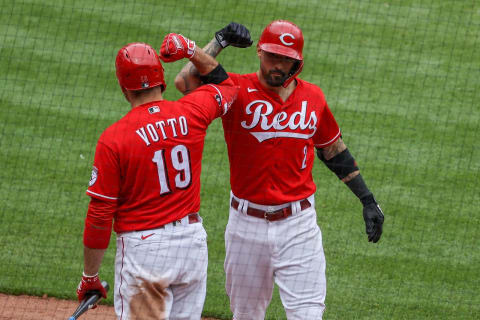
[279, 122]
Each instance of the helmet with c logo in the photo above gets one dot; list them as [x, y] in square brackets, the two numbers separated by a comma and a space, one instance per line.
[284, 38]
[138, 67]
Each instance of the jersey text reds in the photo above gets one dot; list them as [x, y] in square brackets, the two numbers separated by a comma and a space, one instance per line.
[280, 121]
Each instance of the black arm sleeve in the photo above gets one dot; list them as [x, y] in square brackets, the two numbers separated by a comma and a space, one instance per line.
[216, 76]
[342, 164]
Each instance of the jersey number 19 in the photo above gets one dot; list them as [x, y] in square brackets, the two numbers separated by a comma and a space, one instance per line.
[180, 162]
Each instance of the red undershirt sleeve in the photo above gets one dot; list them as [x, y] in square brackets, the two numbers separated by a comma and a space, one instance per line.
[98, 223]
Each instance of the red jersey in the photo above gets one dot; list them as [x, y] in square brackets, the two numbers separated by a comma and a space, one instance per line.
[149, 161]
[271, 142]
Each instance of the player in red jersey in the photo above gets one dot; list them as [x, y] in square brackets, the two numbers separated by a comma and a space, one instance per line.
[146, 178]
[272, 132]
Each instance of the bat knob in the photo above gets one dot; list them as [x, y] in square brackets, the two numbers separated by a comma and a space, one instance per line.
[105, 285]
[72, 318]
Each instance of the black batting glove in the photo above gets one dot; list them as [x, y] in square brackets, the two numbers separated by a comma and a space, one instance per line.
[373, 216]
[234, 34]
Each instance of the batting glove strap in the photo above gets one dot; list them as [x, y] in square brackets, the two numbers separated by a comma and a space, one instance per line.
[90, 278]
[190, 47]
[221, 39]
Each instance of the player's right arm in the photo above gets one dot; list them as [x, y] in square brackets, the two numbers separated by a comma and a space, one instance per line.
[103, 190]
[212, 100]
[235, 34]
[188, 79]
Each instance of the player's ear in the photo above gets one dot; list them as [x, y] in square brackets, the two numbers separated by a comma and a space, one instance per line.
[125, 94]
[259, 51]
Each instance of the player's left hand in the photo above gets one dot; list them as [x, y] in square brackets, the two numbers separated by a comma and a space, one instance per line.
[88, 284]
[373, 216]
[234, 34]
[175, 47]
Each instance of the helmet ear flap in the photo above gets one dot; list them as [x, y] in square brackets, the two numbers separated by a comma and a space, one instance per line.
[295, 67]
[295, 71]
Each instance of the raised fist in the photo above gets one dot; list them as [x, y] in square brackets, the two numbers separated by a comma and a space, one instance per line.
[234, 34]
[176, 47]
[89, 284]
[373, 216]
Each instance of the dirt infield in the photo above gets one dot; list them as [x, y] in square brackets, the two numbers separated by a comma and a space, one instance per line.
[36, 308]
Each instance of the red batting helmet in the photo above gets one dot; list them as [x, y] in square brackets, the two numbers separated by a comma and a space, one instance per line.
[138, 67]
[282, 37]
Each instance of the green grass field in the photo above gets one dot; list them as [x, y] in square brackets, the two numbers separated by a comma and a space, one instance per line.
[399, 76]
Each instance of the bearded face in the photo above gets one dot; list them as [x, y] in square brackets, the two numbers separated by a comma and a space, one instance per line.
[275, 68]
[275, 77]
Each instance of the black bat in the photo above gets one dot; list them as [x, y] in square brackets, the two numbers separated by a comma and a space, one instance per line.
[88, 302]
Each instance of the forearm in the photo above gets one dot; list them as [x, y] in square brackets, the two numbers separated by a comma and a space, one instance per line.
[188, 78]
[203, 62]
[92, 260]
[336, 148]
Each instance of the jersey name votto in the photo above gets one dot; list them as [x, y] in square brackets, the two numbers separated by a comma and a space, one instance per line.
[153, 132]
[282, 122]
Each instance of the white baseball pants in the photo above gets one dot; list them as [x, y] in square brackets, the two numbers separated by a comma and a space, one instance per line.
[161, 273]
[288, 252]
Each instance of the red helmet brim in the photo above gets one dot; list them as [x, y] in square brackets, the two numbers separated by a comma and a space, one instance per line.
[281, 50]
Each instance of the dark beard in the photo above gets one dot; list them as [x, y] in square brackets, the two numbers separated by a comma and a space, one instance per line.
[275, 80]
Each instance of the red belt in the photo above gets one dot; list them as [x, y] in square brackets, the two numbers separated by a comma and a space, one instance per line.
[192, 218]
[272, 215]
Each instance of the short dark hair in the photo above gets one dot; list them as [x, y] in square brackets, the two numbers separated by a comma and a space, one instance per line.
[138, 93]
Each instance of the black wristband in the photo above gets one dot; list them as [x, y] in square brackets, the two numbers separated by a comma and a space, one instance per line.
[216, 76]
[341, 164]
[360, 189]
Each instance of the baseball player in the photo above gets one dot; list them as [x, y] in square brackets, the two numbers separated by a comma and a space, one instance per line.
[146, 178]
[273, 131]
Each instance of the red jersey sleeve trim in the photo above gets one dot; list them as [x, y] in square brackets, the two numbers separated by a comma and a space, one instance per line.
[101, 195]
[326, 144]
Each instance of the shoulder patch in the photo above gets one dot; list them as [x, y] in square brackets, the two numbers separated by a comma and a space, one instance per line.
[93, 179]
[219, 100]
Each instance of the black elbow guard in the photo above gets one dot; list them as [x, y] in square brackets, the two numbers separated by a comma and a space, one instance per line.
[216, 76]
[341, 164]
